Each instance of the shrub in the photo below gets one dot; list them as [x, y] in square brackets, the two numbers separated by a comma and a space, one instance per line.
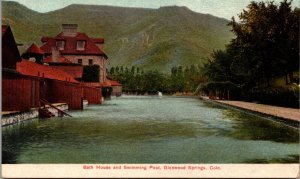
[274, 96]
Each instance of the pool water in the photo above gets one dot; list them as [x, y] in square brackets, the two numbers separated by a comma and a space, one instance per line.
[145, 129]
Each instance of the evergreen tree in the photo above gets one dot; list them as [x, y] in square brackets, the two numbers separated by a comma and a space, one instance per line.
[132, 70]
[117, 69]
[112, 70]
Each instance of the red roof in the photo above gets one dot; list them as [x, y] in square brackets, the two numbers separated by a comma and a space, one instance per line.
[71, 44]
[45, 39]
[110, 83]
[60, 59]
[98, 40]
[34, 49]
[115, 83]
[75, 71]
[107, 83]
[93, 84]
[26, 67]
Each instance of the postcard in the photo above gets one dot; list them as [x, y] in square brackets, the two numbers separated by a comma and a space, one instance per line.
[150, 89]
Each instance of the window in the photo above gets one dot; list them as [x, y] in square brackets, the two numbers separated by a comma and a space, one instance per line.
[79, 61]
[90, 62]
[60, 45]
[80, 45]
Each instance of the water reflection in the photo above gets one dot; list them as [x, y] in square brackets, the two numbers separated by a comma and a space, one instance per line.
[249, 127]
[14, 137]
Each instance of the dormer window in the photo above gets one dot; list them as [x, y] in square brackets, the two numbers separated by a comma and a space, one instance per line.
[60, 45]
[80, 45]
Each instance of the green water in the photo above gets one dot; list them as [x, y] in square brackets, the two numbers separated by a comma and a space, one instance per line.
[136, 129]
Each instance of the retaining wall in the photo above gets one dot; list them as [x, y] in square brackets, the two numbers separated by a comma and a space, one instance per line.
[17, 117]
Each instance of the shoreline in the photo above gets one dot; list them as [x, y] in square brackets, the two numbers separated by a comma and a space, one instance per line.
[155, 95]
[288, 116]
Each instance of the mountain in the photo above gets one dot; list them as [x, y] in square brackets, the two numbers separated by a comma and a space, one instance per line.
[148, 38]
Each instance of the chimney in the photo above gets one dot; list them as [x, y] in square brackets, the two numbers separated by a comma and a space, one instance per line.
[69, 30]
[55, 54]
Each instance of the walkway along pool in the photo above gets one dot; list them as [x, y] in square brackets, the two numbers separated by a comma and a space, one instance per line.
[139, 129]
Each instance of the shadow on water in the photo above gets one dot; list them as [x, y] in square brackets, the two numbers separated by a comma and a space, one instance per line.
[14, 138]
[248, 127]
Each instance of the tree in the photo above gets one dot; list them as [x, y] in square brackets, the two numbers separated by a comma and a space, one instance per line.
[112, 70]
[265, 45]
[132, 70]
[287, 36]
[117, 69]
[152, 81]
[218, 68]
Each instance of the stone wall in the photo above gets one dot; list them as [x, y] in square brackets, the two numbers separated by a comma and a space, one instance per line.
[17, 117]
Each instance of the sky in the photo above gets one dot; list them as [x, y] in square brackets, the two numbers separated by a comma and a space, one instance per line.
[220, 8]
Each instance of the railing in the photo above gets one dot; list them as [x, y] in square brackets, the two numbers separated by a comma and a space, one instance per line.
[60, 112]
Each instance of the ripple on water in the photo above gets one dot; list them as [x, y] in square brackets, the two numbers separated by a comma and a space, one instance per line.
[151, 130]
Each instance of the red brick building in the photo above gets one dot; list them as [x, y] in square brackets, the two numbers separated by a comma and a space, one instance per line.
[77, 48]
[25, 83]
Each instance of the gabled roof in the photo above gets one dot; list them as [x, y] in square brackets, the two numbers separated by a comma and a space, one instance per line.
[71, 44]
[10, 52]
[26, 67]
[34, 49]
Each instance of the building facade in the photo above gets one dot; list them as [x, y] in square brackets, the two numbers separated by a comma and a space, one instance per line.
[78, 48]
[25, 82]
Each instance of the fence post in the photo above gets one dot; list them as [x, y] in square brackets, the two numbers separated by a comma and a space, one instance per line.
[81, 103]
